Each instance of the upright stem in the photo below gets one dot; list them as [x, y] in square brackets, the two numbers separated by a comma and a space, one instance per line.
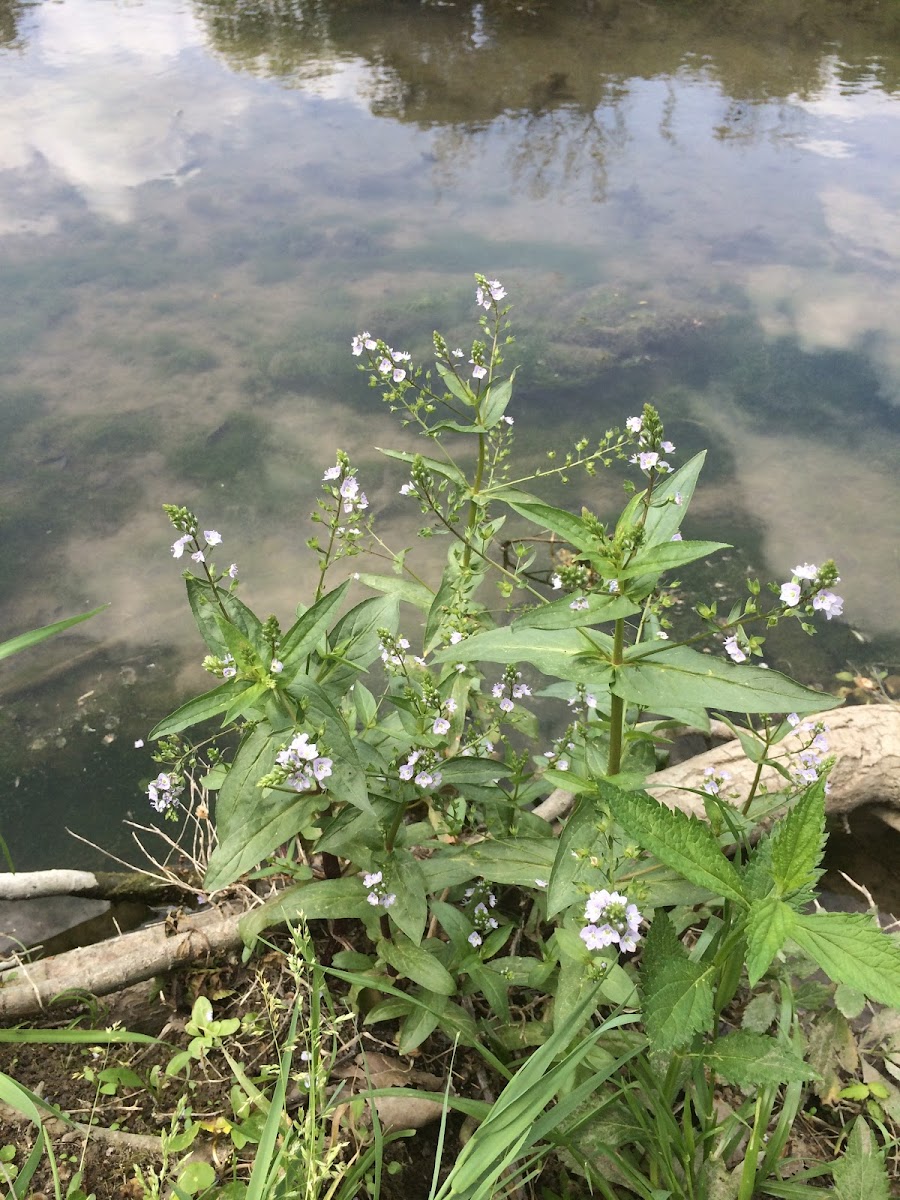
[617, 705]
[473, 507]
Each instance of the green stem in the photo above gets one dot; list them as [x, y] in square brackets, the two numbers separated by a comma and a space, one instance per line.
[617, 705]
[473, 506]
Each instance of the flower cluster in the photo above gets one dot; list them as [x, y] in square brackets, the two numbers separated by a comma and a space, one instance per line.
[714, 781]
[223, 667]
[186, 525]
[300, 766]
[809, 761]
[810, 586]
[649, 432]
[420, 767]
[352, 499]
[164, 791]
[611, 920]
[482, 900]
[489, 292]
[508, 690]
[441, 724]
[378, 893]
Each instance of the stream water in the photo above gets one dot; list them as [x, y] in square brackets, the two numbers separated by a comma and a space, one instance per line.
[202, 200]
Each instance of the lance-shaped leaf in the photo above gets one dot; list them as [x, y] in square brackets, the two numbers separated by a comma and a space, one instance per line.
[653, 560]
[557, 520]
[241, 821]
[25, 640]
[354, 642]
[799, 842]
[683, 677]
[208, 604]
[851, 949]
[754, 1060]
[306, 632]
[769, 924]
[563, 653]
[455, 386]
[413, 593]
[201, 708]
[560, 614]
[348, 779]
[325, 899]
[677, 993]
[571, 867]
[665, 516]
[417, 964]
[495, 401]
[432, 464]
[683, 843]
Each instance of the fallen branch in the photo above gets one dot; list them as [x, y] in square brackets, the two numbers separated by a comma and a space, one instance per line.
[110, 966]
[102, 885]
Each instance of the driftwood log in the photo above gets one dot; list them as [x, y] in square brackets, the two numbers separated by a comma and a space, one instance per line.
[110, 966]
[865, 741]
[99, 885]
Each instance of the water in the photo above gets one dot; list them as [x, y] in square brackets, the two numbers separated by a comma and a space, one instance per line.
[201, 202]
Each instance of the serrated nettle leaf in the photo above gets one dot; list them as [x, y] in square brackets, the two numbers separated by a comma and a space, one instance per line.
[678, 675]
[567, 653]
[760, 1013]
[849, 1000]
[559, 614]
[201, 708]
[307, 631]
[860, 1173]
[655, 559]
[445, 470]
[556, 520]
[755, 1060]
[851, 949]
[407, 590]
[677, 993]
[770, 923]
[798, 842]
[682, 842]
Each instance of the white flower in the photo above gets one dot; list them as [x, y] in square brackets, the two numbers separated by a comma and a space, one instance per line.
[806, 571]
[332, 473]
[198, 556]
[441, 726]
[474, 939]
[828, 603]
[790, 594]
[139, 744]
[634, 424]
[399, 375]
[478, 372]
[179, 545]
[213, 537]
[372, 879]
[233, 571]
[733, 650]
[556, 582]
[455, 637]
[579, 604]
[276, 666]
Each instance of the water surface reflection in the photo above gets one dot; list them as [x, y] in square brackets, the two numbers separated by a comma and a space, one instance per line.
[200, 202]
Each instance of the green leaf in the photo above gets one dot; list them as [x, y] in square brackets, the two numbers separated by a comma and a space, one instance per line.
[24, 640]
[860, 1173]
[557, 520]
[516, 860]
[759, 1013]
[571, 873]
[407, 590]
[677, 993]
[849, 1001]
[561, 653]
[559, 614]
[205, 604]
[664, 518]
[851, 949]
[682, 842]
[799, 842]
[770, 923]
[354, 642]
[324, 899]
[406, 880]
[755, 1060]
[495, 402]
[347, 782]
[455, 386]
[462, 770]
[683, 677]
[432, 464]
[201, 708]
[305, 634]
[417, 964]
[666, 557]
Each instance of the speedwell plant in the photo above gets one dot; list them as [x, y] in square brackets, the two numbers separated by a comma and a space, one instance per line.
[387, 755]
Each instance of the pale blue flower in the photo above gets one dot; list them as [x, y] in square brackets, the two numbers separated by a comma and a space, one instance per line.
[828, 603]
[213, 537]
[734, 651]
[790, 594]
[806, 571]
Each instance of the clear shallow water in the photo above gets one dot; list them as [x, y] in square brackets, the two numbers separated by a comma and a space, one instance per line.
[201, 202]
